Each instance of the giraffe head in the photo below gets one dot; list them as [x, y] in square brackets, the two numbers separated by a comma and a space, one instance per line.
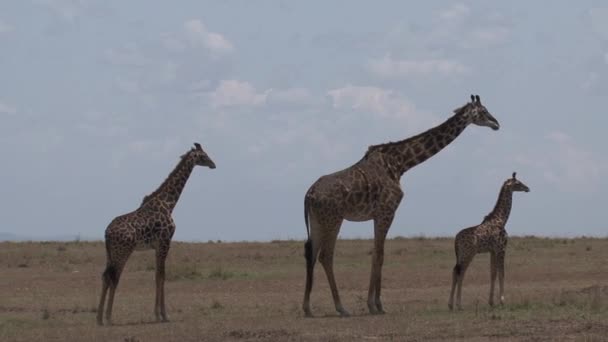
[516, 185]
[478, 114]
[199, 156]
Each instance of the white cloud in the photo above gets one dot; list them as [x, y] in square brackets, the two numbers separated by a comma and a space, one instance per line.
[391, 68]
[599, 21]
[490, 35]
[4, 27]
[129, 55]
[7, 109]
[468, 28]
[565, 164]
[235, 93]
[231, 93]
[164, 146]
[198, 35]
[69, 10]
[379, 101]
[128, 86]
[455, 12]
[299, 96]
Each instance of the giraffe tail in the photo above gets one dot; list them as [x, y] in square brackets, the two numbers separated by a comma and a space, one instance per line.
[457, 269]
[306, 204]
[308, 243]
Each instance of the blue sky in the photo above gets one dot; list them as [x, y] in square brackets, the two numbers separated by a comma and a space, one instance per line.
[98, 100]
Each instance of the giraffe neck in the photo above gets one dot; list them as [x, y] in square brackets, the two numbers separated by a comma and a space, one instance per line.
[169, 191]
[502, 209]
[403, 155]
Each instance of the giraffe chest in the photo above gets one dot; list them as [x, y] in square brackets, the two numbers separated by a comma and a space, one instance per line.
[490, 241]
[145, 239]
[150, 235]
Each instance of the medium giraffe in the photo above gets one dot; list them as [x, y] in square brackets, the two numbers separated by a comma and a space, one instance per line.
[489, 236]
[370, 190]
[148, 227]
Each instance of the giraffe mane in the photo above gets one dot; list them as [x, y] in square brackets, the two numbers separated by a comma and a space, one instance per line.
[384, 146]
[182, 159]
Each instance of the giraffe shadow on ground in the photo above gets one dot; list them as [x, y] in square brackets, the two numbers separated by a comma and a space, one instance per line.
[150, 322]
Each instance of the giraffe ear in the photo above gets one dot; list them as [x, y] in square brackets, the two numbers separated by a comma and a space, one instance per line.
[198, 146]
[514, 174]
[477, 99]
[472, 98]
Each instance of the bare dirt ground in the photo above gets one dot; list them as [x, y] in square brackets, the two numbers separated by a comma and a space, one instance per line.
[556, 290]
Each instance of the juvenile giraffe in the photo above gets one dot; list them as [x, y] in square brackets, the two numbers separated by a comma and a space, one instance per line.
[148, 227]
[489, 236]
[370, 190]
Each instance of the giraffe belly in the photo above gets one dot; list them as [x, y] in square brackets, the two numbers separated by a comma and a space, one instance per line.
[146, 245]
[358, 216]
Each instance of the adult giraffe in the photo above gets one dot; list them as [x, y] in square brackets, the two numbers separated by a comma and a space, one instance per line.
[370, 190]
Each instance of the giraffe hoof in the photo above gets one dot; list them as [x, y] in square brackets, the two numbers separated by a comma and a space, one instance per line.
[376, 312]
[344, 313]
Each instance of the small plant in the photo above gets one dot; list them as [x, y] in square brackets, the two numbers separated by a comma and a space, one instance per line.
[216, 305]
[46, 314]
[182, 271]
[219, 273]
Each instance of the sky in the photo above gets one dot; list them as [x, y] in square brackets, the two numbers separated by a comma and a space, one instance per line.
[98, 99]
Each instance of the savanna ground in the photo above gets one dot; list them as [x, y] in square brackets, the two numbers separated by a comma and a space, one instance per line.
[556, 290]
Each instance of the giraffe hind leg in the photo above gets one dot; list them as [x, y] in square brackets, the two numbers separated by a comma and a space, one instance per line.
[310, 253]
[113, 275]
[455, 274]
[463, 269]
[326, 258]
[106, 280]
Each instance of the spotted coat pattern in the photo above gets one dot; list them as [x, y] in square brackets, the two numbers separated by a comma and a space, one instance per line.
[371, 190]
[490, 236]
[148, 227]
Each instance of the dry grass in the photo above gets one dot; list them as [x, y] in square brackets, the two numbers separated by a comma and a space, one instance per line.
[556, 290]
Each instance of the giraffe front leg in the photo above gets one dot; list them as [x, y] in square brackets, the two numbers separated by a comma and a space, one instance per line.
[381, 227]
[500, 261]
[159, 308]
[492, 277]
